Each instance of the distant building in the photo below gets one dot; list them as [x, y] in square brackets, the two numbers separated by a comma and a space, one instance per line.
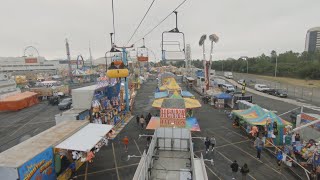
[313, 39]
[23, 64]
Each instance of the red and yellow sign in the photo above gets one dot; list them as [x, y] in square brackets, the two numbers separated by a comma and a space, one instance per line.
[172, 117]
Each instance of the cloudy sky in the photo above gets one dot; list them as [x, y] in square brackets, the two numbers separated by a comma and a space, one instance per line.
[245, 28]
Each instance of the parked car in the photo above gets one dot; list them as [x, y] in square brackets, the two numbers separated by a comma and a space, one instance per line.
[278, 92]
[241, 81]
[228, 88]
[65, 104]
[261, 87]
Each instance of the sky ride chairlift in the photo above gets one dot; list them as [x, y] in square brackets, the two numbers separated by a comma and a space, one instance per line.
[171, 43]
[117, 68]
[142, 53]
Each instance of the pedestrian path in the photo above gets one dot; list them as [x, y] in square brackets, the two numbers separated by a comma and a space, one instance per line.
[120, 127]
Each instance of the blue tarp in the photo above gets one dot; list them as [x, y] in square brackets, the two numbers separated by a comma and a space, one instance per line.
[113, 91]
[160, 94]
[186, 94]
[223, 96]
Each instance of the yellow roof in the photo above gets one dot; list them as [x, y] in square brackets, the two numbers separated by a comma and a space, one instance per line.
[188, 102]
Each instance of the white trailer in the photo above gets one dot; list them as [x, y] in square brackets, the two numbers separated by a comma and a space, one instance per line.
[228, 75]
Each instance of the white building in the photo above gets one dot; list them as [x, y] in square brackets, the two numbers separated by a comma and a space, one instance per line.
[313, 39]
[18, 64]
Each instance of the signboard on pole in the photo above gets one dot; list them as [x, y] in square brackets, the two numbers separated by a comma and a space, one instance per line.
[172, 117]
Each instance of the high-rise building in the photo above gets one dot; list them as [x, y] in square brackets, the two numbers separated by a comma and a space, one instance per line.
[313, 39]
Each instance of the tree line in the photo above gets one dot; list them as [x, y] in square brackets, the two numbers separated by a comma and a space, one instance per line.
[304, 65]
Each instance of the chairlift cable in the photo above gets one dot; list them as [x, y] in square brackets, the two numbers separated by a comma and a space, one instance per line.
[114, 29]
[141, 21]
[161, 21]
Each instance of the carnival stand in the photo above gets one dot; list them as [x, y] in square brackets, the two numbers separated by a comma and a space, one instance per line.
[79, 148]
[34, 158]
[267, 124]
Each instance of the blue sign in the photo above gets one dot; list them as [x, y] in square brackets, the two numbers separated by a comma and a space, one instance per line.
[39, 167]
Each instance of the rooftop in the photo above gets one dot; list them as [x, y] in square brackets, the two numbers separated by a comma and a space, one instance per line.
[23, 152]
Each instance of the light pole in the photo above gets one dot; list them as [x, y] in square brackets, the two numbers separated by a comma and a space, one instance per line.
[246, 59]
[275, 69]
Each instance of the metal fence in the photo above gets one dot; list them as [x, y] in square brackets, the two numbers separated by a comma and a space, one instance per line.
[296, 92]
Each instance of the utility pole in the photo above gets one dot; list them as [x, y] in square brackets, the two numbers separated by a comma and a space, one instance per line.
[90, 60]
[188, 58]
[69, 61]
[275, 70]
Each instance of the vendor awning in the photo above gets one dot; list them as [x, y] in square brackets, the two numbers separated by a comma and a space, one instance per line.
[253, 112]
[186, 94]
[158, 95]
[223, 96]
[86, 138]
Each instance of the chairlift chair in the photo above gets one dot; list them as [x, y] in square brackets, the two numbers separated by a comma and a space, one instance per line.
[117, 68]
[142, 53]
[168, 43]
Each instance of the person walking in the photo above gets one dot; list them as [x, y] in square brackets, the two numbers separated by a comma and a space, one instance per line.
[258, 143]
[149, 138]
[125, 142]
[212, 142]
[234, 167]
[207, 144]
[148, 118]
[138, 119]
[244, 171]
[142, 121]
[279, 160]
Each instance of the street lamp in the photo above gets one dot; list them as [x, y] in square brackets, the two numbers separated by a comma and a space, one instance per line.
[275, 69]
[246, 59]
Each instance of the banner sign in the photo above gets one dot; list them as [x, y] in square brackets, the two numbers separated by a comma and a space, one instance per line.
[40, 167]
[172, 117]
[30, 60]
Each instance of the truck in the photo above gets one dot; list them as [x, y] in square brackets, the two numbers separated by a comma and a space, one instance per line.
[228, 75]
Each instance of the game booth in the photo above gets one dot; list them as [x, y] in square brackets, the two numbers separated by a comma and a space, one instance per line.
[304, 143]
[175, 111]
[79, 148]
[255, 121]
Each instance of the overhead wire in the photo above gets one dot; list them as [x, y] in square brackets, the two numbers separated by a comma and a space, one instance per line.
[141, 22]
[161, 21]
[114, 29]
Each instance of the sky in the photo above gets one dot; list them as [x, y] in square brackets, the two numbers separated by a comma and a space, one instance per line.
[245, 28]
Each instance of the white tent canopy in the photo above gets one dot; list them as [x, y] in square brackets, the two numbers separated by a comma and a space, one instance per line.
[86, 138]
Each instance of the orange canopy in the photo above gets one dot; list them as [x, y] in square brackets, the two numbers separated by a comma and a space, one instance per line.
[18, 101]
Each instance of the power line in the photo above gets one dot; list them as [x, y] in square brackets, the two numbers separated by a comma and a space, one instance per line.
[114, 29]
[161, 21]
[141, 21]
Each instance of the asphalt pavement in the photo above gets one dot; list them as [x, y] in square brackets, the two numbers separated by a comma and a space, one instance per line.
[17, 126]
[111, 162]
